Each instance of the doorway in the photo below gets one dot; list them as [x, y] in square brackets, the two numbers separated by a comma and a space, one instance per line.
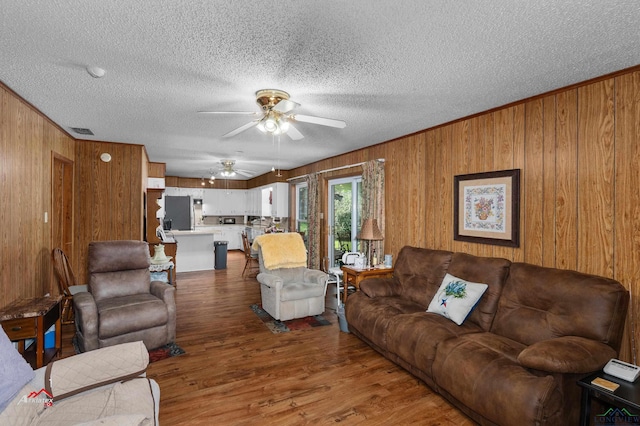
[62, 205]
[344, 211]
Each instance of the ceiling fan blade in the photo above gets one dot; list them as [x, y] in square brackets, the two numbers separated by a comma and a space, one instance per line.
[230, 112]
[285, 106]
[241, 129]
[244, 173]
[319, 120]
[294, 133]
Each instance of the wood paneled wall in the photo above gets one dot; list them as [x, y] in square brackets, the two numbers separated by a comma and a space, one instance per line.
[579, 153]
[109, 197]
[27, 141]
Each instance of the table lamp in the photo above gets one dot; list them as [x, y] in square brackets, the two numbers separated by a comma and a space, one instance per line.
[370, 232]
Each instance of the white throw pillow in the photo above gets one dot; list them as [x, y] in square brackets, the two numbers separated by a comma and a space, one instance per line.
[456, 298]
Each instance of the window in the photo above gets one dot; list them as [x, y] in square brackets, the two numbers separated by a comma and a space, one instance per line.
[302, 210]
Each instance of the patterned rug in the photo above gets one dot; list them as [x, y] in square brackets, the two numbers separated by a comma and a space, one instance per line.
[286, 326]
[167, 351]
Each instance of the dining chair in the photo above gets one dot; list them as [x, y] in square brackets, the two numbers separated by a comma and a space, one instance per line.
[251, 257]
[66, 284]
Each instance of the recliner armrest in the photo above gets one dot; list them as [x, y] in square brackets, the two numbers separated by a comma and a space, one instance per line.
[162, 290]
[567, 354]
[86, 318]
[270, 280]
[315, 276]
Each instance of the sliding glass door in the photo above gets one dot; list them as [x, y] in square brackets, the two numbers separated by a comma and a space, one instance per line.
[345, 210]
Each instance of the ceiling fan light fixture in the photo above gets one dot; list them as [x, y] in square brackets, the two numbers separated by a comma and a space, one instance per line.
[271, 124]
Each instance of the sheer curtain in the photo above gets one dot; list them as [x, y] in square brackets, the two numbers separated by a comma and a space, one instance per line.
[313, 216]
[373, 199]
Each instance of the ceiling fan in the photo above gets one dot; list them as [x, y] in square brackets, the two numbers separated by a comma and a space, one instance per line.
[228, 170]
[276, 116]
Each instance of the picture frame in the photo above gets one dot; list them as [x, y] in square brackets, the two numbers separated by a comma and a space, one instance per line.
[487, 208]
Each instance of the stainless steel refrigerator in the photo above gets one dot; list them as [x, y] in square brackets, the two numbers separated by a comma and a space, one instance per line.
[179, 210]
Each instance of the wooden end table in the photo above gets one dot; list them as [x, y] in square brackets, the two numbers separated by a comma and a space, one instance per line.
[353, 276]
[30, 319]
[626, 398]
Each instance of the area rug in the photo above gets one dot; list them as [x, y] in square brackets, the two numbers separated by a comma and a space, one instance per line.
[167, 351]
[164, 352]
[277, 327]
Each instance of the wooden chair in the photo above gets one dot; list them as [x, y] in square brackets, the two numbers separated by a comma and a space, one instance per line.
[251, 259]
[66, 283]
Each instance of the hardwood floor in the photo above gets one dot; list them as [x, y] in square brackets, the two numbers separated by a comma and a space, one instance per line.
[236, 372]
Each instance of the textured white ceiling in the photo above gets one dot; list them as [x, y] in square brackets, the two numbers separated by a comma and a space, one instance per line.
[387, 68]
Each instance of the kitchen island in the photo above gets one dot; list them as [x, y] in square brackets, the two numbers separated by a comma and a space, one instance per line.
[195, 248]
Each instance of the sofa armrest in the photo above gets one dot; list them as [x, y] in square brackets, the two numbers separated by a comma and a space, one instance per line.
[270, 280]
[315, 276]
[567, 354]
[380, 287]
[89, 370]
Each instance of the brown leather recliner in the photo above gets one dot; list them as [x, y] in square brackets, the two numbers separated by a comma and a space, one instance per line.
[122, 304]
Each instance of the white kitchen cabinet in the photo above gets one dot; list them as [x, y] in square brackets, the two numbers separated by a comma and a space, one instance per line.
[218, 202]
[280, 200]
[265, 201]
[210, 202]
[231, 234]
[173, 191]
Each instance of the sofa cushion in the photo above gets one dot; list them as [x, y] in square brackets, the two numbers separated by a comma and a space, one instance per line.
[456, 298]
[371, 316]
[420, 273]
[482, 370]
[535, 306]
[415, 337]
[487, 270]
[127, 314]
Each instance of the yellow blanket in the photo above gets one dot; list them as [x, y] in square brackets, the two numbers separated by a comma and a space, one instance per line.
[281, 250]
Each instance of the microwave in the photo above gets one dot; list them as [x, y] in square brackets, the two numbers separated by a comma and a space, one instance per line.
[229, 220]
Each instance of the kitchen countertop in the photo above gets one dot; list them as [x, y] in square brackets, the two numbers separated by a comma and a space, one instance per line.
[203, 231]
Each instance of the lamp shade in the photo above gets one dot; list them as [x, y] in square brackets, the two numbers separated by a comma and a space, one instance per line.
[370, 231]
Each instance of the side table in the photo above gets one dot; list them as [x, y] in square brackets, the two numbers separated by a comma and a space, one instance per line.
[353, 276]
[167, 266]
[626, 398]
[30, 319]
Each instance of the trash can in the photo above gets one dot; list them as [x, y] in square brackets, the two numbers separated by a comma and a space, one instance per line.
[220, 248]
[342, 320]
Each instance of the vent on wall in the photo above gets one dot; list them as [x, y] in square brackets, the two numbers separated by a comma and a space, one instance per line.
[82, 131]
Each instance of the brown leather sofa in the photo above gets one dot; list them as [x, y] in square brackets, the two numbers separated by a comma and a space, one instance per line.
[123, 304]
[517, 356]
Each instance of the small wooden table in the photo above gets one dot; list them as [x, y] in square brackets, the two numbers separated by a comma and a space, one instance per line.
[353, 276]
[30, 319]
[627, 397]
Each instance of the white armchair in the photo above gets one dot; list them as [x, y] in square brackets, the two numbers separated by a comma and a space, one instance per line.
[289, 289]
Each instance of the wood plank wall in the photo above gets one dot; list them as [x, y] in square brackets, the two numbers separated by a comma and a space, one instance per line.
[109, 197]
[27, 141]
[579, 153]
[578, 150]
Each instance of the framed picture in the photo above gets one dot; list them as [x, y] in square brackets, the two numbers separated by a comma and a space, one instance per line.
[487, 208]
